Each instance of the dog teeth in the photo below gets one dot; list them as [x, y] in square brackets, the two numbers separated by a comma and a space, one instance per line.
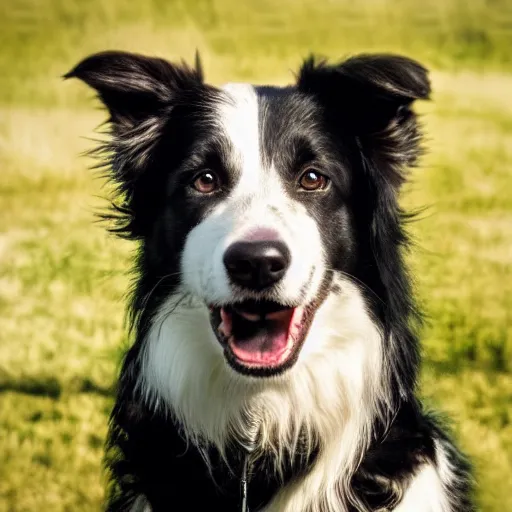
[249, 316]
[278, 315]
[226, 324]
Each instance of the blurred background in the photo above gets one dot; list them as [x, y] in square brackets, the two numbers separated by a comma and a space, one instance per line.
[63, 280]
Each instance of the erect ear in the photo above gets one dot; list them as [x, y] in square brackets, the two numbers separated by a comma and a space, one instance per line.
[369, 97]
[134, 87]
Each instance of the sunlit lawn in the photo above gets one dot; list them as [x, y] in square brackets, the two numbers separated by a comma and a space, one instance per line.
[63, 280]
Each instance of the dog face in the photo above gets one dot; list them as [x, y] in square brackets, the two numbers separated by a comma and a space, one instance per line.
[254, 201]
[262, 254]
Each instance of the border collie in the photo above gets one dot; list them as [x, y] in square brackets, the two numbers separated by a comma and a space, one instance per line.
[275, 353]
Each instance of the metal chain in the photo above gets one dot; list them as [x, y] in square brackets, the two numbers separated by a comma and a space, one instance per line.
[243, 484]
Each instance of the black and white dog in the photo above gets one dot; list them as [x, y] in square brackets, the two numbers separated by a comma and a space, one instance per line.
[275, 355]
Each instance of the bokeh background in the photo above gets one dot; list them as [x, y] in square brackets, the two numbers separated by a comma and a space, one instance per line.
[63, 280]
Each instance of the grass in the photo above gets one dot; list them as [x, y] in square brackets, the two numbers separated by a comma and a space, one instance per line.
[63, 280]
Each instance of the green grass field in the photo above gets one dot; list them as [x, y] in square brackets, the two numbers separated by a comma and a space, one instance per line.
[63, 281]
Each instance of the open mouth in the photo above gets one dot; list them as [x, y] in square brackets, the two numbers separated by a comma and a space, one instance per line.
[261, 337]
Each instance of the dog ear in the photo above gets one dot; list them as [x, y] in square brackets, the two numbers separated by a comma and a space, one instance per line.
[140, 94]
[134, 87]
[370, 97]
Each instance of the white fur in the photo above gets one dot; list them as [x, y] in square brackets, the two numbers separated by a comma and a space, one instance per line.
[445, 470]
[425, 493]
[429, 488]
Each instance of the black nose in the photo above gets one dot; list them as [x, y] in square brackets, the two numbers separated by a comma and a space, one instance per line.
[257, 264]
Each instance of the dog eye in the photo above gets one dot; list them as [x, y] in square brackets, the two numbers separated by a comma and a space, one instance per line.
[311, 180]
[206, 182]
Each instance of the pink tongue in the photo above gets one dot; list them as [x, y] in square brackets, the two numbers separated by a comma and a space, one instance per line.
[261, 350]
[268, 347]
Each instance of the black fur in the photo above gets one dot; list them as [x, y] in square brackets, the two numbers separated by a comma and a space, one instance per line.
[368, 136]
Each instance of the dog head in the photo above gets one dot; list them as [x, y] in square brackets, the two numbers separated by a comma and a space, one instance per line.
[255, 201]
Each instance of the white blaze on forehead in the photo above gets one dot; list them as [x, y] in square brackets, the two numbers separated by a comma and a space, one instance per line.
[259, 192]
[239, 121]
